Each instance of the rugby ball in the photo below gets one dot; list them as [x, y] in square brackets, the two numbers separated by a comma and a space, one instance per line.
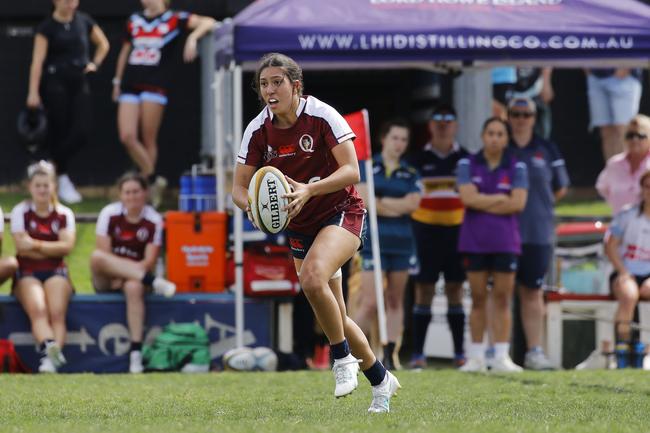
[265, 359]
[239, 359]
[265, 199]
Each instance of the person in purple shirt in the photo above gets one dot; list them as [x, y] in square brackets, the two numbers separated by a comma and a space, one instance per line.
[493, 186]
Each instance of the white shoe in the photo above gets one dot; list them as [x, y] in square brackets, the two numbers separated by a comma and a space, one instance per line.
[474, 365]
[345, 374]
[46, 366]
[157, 190]
[382, 393]
[163, 287]
[67, 191]
[595, 361]
[135, 362]
[537, 360]
[505, 365]
[54, 354]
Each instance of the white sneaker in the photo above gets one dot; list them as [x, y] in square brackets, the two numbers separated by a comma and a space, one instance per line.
[157, 190]
[163, 287]
[54, 354]
[505, 365]
[382, 393]
[135, 362]
[67, 191]
[537, 360]
[345, 374]
[46, 366]
[595, 361]
[474, 365]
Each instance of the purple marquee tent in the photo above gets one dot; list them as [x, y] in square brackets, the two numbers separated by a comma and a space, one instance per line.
[334, 33]
[367, 34]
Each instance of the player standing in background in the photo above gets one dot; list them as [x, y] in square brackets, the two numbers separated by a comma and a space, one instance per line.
[60, 66]
[436, 224]
[44, 233]
[143, 74]
[129, 235]
[397, 194]
[311, 144]
[493, 186]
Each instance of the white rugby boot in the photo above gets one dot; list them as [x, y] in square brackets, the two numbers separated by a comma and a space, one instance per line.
[382, 393]
[345, 374]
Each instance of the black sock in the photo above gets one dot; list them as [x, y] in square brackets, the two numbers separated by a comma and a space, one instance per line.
[44, 345]
[456, 320]
[389, 349]
[136, 346]
[148, 278]
[340, 350]
[375, 374]
[421, 319]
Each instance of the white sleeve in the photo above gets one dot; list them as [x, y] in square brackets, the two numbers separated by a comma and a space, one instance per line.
[2, 222]
[69, 219]
[101, 229]
[18, 218]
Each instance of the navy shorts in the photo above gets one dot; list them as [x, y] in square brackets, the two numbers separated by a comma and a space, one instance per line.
[496, 262]
[533, 265]
[43, 276]
[389, 262]
[354, 222]
[437, 251]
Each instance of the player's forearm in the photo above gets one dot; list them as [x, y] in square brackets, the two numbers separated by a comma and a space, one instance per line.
[206, 24]
[345, 175]
[240, 196]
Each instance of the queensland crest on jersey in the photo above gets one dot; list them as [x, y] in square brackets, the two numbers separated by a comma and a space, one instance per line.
[306, 143]
[142, 234]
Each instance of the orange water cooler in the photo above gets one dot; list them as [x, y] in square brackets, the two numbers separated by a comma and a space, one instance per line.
[196, 250]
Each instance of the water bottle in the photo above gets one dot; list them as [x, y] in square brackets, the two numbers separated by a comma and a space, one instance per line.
[639, 354]
[185, 199]
[622, 355]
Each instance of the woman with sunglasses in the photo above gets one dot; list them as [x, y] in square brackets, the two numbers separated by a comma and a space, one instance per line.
[548, 181]
[44, 234]
[618, 183]
[493, 187]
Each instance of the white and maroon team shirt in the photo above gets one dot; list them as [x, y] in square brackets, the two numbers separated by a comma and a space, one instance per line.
[25, 220]
[304, 153]
[129, 239]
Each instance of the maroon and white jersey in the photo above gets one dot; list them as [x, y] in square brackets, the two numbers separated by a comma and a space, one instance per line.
[25, 220]
[304, 153]
[129, 239]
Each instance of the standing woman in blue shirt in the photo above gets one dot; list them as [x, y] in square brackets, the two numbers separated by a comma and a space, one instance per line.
[397, 194]
[548, 181]
[493, 187]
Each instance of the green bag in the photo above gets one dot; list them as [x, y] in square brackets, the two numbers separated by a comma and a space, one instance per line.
[176, 346]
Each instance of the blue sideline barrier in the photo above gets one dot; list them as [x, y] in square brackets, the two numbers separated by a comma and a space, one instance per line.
[98, 339]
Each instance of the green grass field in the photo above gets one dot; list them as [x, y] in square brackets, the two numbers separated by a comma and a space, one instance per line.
[430, 401]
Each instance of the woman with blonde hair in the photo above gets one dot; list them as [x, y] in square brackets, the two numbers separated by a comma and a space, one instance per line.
[619, 182]
[44, 233]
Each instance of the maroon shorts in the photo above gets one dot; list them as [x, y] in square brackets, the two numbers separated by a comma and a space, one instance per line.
[354, 221]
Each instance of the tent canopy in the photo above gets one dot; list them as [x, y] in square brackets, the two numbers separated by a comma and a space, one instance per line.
[424, 33]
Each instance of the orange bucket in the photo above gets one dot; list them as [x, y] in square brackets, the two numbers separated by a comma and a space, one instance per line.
[196, 250]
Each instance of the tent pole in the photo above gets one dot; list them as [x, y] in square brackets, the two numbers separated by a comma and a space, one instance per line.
[238, 217]
[220, 170]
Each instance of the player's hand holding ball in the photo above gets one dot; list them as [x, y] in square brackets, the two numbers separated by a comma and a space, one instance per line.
[298, 196]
